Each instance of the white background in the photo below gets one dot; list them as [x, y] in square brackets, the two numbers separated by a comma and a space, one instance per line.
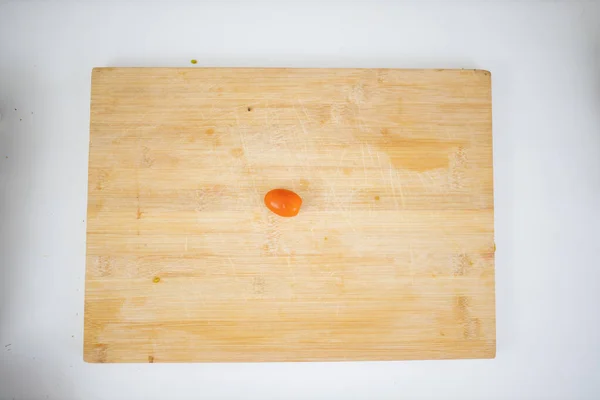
[545, 64]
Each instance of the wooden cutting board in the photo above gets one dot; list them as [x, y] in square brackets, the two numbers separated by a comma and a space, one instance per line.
[390, 258]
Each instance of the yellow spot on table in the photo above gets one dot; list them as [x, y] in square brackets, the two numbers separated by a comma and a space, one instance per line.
[156, 279]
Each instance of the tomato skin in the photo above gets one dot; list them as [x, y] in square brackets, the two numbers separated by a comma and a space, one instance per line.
[283, 202]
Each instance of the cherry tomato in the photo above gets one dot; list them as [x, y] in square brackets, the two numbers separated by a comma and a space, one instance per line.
[283, 202]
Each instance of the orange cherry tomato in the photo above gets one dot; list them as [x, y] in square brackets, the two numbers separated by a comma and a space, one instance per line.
[283, 202]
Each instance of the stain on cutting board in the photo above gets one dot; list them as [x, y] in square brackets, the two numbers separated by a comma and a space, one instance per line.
[415, 154]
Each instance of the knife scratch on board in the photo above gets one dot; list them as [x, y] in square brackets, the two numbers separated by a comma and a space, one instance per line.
[304, 110]
[292, 270]
[309, 120]
[370, 152]
[342, 159]
[235, 276]
[420, 176]
[249, 167]
[380, 168]
[400, 189]
[393, 188]
[362, 150]
[305, 166]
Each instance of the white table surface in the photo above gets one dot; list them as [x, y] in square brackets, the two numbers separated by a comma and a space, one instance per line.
[545, 64]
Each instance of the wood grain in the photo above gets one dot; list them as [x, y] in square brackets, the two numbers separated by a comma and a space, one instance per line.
[391, 256]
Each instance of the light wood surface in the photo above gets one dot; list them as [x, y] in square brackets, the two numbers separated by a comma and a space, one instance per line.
[391, 256]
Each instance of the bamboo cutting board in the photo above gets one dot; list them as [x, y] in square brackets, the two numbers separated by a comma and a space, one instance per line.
[390, 258]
